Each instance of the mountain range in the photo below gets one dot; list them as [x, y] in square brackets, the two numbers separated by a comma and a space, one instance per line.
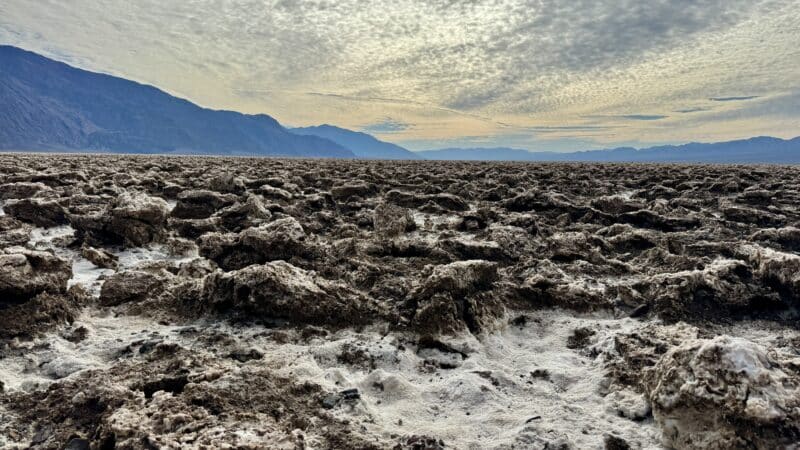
[47, 105]
[362, 144]
[747, 151]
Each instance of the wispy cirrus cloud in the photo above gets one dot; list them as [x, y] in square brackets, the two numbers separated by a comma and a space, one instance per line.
[692, 110]
[386, 126]
[643, 117]
[733, 99]
[639, 117]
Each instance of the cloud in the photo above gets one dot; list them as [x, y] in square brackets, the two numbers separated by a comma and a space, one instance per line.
[571, 128]
[451, 68]
[733, 99]
[691, 110]
[386, 126]
[643, 117]
[639, 117]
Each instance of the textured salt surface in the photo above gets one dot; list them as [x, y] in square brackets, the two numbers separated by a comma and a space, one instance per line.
[487, 396]
[55, 357]
[707, 238]
[427, 221]
[520, 387]
[490, 399]
[88, 274]
[485, 399]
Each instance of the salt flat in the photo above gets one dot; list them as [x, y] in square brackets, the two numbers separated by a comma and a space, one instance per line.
[161, 302]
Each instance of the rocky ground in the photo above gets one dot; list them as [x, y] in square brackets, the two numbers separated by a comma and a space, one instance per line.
[165, 303]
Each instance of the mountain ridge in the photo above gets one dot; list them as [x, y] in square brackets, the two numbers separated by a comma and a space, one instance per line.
[52, 106]
[759, 149]
[362, 144]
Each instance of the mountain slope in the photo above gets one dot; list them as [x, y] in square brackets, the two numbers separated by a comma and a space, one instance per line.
[755, 150]
[362, 144]
[48, 105]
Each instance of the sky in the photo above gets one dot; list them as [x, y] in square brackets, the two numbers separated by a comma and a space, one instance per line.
[553, 75]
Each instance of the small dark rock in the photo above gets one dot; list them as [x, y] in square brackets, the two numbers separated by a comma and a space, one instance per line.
[330, 401]
[350, 394]
[420, 443]
[78, 334]
[99, 257]
[244, 356]
[519, 321]
[148, 346]
[640, 311]
[580, 338]
[542, 374]
[616, 443]
[77, 444]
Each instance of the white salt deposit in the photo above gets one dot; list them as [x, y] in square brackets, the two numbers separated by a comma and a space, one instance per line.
[745, 357]
[54, 356]
[428, 221]
[487, 398]
[86, 273]
[490, 399]
[520, 387]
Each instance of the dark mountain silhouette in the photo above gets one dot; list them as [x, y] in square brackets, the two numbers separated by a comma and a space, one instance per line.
[362, 144]
[48, 105]
[768, 150]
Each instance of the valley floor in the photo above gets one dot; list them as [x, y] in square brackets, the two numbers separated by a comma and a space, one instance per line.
[162, 302]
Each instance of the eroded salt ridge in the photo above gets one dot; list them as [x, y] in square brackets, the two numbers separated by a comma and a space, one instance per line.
[411, 306]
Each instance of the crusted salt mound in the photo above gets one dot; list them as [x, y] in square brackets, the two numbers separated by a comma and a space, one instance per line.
[454, 297]
[39, 314]
[777, 269]
[281, 239]
[724, 288]
[280, 291]
[132, 219]
[725, 393]
[133, 286]
[38, 211]
[138, 218]
[33, 292]
[26, 273]
[391, 220]
[242, 215]
[100, 257]
[13, 232]
[22, 189]
[227, 183]
[200, 204]
[787, 238]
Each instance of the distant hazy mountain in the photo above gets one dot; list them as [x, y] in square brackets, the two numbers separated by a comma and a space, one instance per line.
[362, 144]
[481, 154]
[48, 105]
[755, 150]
